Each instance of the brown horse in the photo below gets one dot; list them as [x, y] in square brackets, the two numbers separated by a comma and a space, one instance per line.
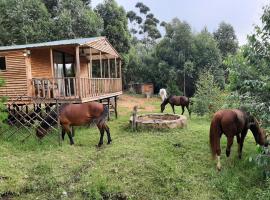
[232, 123]
[76, 115]
[177, 101]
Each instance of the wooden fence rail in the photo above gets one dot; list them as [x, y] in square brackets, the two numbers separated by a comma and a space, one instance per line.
[74, 88]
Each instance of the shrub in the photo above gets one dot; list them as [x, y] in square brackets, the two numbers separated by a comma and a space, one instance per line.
[208, 97]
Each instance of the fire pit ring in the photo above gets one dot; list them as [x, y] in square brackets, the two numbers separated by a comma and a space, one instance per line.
[158, 120]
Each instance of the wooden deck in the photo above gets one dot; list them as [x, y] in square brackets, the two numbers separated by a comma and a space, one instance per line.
[75, 90]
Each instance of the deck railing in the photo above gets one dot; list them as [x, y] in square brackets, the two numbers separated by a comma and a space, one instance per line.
[74, 88]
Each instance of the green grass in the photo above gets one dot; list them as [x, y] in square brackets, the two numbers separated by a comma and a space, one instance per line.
[172, 164]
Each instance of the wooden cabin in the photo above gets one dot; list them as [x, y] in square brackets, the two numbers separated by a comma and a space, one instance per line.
[76, 70]
[142, 88]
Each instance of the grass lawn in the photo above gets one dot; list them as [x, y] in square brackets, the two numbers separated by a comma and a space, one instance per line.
[140, 165]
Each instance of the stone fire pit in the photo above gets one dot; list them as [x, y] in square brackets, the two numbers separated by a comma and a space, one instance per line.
[160, 121]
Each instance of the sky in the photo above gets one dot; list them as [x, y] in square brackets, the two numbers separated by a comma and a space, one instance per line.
[241, 14]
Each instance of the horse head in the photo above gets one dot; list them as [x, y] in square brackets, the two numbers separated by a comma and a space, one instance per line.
[163, 104]
[40, 132]
[258, 133]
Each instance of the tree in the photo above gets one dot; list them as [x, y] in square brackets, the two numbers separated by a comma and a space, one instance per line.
[75, 19]
[226, 38]
[206, 56]
[24, 22]
[115, 25]
[147, 25]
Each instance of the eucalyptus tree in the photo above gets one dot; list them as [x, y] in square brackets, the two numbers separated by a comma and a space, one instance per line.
[226, 38]
[75, 19]
[115, 25]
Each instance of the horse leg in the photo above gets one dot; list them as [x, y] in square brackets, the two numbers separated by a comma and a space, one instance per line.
[63, 134]
[70, 138]
[241, 142]
[68, 131]
[189, 111]
[73, 131]
[183, 109]
[101, 130]
[173, 108]
[218, 151]
[107, 129]
[229, 145]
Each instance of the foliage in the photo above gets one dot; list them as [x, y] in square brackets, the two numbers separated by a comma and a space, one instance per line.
[24, 22]
[147, 24]
[263, 160]
[208, 97]
[226, 38]
[34, 21]
[75, 19]
[115, 25]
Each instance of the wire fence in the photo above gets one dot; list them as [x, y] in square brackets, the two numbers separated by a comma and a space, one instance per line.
[24, 116]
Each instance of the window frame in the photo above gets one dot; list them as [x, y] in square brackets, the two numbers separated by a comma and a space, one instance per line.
[3, 70]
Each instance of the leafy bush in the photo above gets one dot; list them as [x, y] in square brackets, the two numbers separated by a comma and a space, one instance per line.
[262, 160]
[208, 97]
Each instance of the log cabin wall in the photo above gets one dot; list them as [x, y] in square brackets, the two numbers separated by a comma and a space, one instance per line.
[40, 63]
[84, 67]
[15, 75]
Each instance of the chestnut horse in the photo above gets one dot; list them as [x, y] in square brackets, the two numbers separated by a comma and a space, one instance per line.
[233, 122]
[177, 101]
[76, 115]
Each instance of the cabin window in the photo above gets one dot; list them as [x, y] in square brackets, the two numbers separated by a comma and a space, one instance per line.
[3, 63]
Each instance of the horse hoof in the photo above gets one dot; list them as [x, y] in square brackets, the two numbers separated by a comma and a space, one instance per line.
[99, 145]
[219, 168]
[109, 142]
[240, 157]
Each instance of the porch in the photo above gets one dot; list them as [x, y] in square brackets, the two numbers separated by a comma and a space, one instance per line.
[76, 90]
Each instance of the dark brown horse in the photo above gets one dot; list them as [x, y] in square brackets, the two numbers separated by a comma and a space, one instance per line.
[76, 115]
[176, 101]
[233, 123]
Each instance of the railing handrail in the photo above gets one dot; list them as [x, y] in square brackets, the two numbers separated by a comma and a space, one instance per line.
[69, 87]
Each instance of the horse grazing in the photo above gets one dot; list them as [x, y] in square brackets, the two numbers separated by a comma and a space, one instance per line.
[163, 94]
[177, 101]
[76, 115]
[232, 123]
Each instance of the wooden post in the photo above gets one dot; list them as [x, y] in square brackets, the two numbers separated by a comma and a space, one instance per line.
[109, 68]
[100, 63]
[78, 70]
[91, 70]
[115, 107]
[51, 62]
[115, 67]
[120, 68]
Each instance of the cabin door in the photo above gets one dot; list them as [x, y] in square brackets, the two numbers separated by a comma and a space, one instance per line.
[64, 73]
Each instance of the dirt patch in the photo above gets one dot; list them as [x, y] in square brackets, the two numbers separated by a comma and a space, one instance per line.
[128, 101]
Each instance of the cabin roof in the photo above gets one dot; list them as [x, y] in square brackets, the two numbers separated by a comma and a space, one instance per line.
[99, 43]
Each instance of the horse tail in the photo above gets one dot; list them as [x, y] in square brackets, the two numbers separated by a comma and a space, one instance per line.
[214, 136]
[102, 118]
